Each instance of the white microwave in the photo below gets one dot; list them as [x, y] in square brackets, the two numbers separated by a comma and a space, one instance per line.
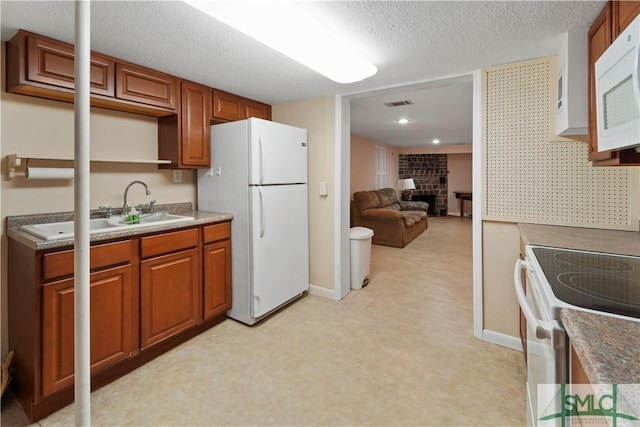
[618, 91]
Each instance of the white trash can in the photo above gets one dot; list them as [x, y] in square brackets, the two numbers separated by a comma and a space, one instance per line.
[360, 256]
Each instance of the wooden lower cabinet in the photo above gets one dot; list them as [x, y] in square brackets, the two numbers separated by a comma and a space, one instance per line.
[170, 296]
[217, 278]
[110, 320]
[147, 295]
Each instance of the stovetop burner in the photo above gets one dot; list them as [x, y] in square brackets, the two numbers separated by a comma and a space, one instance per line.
[596, 281]
[586, 259]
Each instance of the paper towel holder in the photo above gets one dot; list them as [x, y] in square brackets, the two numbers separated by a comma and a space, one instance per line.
[13, 162]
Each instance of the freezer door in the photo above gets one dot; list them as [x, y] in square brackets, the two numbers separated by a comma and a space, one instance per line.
[278, 153]
[280, 245]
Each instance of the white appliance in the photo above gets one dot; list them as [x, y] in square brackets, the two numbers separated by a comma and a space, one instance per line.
[259, 174]
[558, 278]
[572, 116]
[618, 91]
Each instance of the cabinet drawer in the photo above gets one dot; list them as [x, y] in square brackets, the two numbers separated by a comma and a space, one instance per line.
[168, 242]
[216, 232]
[59, 264]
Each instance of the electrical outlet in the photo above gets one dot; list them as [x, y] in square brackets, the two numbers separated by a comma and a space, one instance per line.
[177, 176]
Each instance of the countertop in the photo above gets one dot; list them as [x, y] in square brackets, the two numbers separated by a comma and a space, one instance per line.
[200, 218]
[586, 239]
[608, 347]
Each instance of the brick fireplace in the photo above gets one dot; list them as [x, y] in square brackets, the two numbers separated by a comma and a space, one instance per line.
[429, 172]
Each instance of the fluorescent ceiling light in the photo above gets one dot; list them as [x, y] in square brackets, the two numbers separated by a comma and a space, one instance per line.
[291, 30]
[403, 121]
[436, 141]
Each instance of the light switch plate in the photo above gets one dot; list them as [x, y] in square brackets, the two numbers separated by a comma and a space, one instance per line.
[323, 188]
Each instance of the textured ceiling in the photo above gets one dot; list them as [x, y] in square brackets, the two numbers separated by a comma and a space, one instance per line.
[409, 42]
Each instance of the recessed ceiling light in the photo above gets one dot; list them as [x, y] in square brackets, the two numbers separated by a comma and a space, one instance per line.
[403, 121]
[436, 141]
[292, 31]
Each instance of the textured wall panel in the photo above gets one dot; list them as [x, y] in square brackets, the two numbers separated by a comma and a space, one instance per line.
[532, 179]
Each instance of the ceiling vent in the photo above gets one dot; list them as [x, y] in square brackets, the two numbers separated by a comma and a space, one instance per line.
[398, 103]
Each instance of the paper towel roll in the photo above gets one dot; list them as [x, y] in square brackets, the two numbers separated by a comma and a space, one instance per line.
[48, 173]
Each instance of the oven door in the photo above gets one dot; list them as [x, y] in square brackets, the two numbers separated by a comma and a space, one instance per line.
[546, 340]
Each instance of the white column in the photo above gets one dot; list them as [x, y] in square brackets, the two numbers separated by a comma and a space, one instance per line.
[81, 211]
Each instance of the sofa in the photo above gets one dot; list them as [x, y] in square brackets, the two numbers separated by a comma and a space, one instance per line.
[394, 222]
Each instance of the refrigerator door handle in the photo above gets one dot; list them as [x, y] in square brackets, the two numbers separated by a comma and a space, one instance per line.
[261, 160]
[261, 212]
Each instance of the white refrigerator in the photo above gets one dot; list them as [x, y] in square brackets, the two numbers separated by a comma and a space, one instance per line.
[259, 174]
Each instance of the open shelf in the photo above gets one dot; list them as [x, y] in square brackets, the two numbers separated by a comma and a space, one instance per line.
[15, 161]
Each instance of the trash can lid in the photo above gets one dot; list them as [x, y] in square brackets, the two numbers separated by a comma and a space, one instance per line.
[359, 233]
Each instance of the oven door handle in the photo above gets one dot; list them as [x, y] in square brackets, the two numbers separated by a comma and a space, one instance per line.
[542, 331]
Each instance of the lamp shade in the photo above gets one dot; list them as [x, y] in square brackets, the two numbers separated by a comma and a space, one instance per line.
[406, 184]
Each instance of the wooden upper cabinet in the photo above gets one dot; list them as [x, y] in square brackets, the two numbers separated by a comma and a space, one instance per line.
[226, 106]
[43, 67]
[37, 63]
[601, 34]
[255, 109]
[196, 114]
[183, 138]
[229, 107]
[599, 39]
[145, 86]
[623, 13]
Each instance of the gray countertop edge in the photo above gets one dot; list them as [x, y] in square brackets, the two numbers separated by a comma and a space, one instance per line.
[200, 218]
[608, 347]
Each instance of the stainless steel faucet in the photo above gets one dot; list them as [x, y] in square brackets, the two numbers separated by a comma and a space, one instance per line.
[125, 206]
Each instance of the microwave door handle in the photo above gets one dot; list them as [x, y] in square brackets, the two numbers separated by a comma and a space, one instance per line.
[542, 332]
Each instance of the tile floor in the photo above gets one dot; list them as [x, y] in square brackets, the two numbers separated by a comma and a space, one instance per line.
[400, 351]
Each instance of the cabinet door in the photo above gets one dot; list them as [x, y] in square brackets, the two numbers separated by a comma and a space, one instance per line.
[111, 314]
[255, 109]
[52, 63]
[196, 113]
[145, 86]
[623, 13]
[226, 106]
[217, 278]
[169, 295]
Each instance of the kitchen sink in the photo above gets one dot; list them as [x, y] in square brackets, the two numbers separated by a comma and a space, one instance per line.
[64, 230]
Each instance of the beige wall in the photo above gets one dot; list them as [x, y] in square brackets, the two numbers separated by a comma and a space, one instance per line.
[501, 249]
[363, 164]
[318, 117]
[36, 127]
[460, 178]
